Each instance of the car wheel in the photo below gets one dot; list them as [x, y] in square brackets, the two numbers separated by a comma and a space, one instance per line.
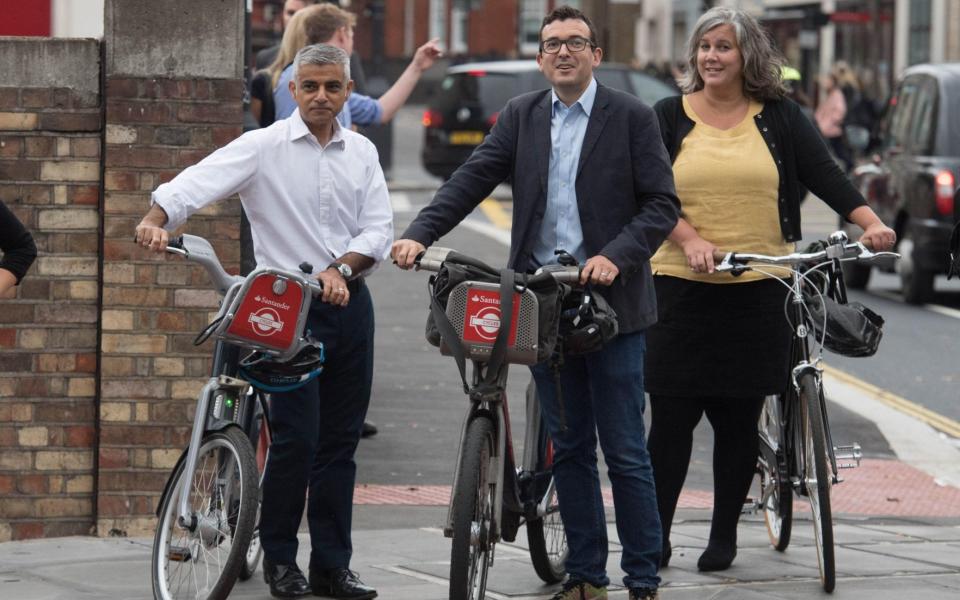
[916, 283]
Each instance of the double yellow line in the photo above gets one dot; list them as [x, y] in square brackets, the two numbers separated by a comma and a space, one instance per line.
[495, 212]
[933, 419]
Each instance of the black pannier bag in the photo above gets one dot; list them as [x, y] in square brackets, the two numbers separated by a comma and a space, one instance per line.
[852, 328]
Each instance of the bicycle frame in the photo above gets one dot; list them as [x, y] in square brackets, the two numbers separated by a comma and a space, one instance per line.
[800, 358]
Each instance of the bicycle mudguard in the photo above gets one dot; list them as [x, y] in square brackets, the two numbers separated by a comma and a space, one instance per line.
[169, 483]
[512, 507]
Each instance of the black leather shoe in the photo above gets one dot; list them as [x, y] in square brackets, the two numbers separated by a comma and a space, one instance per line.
[340, 583]
[718, 556]
[369, 430]
[286, 581]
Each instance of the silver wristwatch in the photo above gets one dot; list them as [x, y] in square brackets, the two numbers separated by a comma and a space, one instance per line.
[345, 271]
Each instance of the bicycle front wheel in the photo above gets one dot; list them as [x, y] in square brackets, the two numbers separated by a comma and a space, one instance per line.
[776, 494]
[472, 547]
[546, 537]
[202, 559]
[817, 477]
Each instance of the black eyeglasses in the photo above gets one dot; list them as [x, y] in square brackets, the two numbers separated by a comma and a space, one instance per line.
[574, 44]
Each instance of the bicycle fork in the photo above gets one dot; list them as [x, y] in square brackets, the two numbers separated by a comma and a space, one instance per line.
[205, 421]
[495, 474]
[841, 457]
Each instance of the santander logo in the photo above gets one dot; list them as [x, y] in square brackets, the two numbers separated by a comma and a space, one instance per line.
[265, 322]
[274, 303]
[486, 322]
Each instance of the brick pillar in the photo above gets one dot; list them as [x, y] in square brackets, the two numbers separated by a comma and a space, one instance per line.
[49, 176]
[173, 94]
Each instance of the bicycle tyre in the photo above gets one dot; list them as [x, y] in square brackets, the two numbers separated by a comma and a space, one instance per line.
[818, 479]
[472, 549]
[255, 550]
[219, 543]
[776, 492]
[546, 538]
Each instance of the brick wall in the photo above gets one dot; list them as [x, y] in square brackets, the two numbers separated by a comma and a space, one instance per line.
[153, 306]
[98, 374]
[49, 176]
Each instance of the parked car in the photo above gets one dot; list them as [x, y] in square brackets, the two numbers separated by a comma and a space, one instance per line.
[911, 179]
[471, 96]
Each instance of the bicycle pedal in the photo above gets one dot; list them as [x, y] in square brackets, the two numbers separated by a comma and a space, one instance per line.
[750, 507]
[179, 554]
[846, 454]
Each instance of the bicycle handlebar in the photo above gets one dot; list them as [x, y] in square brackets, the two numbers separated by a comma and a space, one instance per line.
[837, 248]
[433, 258]
[198, 249]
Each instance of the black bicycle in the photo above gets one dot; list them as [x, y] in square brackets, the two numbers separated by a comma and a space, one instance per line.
[493, 495]
[797, 452]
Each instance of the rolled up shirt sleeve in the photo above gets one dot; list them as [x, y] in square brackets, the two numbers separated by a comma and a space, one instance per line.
[220, 175]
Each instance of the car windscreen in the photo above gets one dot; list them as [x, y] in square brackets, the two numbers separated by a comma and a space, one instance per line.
[650, 90]
[489, 90]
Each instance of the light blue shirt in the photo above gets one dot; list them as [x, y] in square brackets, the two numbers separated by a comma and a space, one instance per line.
[359, 109]
[561, 227]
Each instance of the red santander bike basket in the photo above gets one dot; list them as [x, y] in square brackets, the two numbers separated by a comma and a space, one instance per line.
[268, 313]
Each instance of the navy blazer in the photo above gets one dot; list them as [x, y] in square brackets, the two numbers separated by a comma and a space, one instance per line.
[625, 192]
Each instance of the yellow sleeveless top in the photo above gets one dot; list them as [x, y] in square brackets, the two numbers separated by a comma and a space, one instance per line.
[727, 183]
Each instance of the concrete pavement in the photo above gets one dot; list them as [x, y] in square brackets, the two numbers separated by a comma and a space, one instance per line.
[878, 558]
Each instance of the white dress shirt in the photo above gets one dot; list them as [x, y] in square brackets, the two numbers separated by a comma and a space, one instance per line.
[304, 201]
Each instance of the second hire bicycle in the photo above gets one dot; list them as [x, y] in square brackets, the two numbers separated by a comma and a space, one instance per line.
[797, 453]
[492, 495]
[208, 514]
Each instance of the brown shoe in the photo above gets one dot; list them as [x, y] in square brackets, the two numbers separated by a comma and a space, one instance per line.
[579, 590]
[644, 594]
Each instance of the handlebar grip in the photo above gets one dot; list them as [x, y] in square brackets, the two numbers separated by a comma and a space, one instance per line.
[176, 242]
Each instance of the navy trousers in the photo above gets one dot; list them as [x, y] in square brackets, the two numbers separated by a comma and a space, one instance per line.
[316, 429]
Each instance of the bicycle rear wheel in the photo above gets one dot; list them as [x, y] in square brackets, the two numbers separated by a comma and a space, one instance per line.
[776, 493]
[255, 550]
[818, 478]
[472, 547]
[204, 560]
[546, 537]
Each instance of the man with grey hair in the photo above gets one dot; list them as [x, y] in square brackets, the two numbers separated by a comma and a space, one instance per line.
[314, 192]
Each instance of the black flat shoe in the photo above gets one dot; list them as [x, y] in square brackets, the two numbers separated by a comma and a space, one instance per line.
[369, 430]
[286, 581]
[665, 554]
[718, 556]
[340, 583]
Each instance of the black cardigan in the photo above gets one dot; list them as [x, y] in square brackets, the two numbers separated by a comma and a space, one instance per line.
[797, 149]
[16, 243]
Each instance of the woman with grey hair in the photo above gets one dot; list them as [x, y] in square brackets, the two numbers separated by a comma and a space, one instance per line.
[740, 153]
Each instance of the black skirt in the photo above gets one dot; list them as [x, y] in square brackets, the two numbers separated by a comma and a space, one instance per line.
[721, 340]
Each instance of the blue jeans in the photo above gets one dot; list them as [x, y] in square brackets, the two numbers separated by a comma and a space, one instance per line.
[602, 395]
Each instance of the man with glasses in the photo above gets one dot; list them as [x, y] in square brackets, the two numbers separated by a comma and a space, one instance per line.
[590, 176]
